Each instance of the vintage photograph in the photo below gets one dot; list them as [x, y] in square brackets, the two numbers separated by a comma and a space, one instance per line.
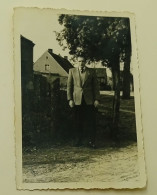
[78, 119]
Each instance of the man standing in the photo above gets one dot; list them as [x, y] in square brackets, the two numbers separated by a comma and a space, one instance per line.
[83, 95]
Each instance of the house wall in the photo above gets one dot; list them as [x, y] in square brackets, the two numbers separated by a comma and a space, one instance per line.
[52, 65]
[26, 73]
[26, 59]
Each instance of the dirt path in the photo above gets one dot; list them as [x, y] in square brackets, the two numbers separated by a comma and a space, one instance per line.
[71, 164]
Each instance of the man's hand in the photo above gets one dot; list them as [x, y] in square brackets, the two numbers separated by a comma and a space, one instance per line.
[96, 103]
[71, 103]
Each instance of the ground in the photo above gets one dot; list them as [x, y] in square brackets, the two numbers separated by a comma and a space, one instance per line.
[61, 162]
[70, 164]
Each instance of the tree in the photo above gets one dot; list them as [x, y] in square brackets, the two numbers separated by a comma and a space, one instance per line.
[127, 59]
[97, 39]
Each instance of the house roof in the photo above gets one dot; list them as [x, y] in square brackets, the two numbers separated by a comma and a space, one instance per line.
[64, 63]
[25, 40]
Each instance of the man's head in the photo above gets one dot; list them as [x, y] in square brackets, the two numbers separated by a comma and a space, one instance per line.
[81, 61]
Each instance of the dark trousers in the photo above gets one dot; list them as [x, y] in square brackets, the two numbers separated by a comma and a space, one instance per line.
[85, 122]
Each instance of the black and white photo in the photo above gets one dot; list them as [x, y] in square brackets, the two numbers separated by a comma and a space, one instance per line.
[77, 100]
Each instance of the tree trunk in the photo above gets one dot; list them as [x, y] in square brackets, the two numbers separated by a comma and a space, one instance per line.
[116, 98]
[126, 77]
[126, 73]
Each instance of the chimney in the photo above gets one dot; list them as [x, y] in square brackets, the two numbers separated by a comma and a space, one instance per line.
[66, 57]
[50, 51]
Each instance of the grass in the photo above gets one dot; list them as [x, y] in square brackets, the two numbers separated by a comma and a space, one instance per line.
[63, 135]
[56, 160]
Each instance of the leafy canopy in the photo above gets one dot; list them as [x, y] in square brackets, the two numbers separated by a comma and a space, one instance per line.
[95, 38]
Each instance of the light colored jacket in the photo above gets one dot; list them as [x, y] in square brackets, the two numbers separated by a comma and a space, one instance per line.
[89, 88]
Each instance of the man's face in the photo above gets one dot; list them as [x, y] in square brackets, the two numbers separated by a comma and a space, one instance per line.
[81, 61]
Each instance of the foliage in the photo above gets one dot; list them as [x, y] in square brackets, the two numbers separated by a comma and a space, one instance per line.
[95, 38]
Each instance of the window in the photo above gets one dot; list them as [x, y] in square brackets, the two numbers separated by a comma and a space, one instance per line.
[47, 67]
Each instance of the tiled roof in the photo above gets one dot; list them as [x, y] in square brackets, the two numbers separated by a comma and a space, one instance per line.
[64, 63]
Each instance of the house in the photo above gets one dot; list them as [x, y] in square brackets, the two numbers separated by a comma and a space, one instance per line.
[51, 64]
[110, 81]
[101, 73]
[27, 85]
[26, 62]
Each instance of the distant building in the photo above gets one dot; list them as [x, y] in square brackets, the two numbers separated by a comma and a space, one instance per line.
[52, 64]
[102, 77]
[110, 81]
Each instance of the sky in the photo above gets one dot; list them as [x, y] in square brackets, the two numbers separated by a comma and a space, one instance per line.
[39, 26]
